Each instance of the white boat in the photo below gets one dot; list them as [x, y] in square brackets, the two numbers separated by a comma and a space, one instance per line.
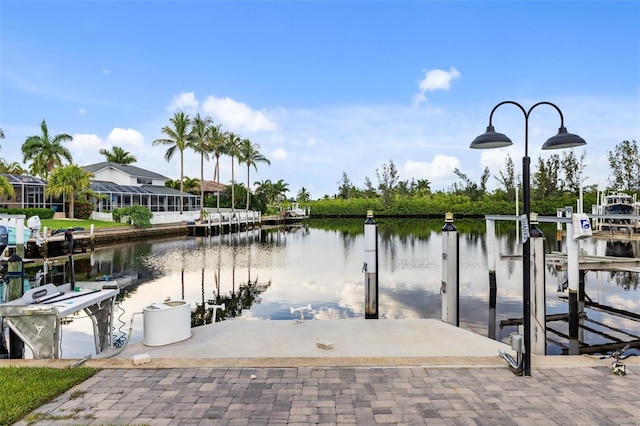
[614, 208]
[619, 203]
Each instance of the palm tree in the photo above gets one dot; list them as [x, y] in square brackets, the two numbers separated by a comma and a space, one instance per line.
[45, 152]
[280, 190]
[191, 184]
[251, 156]
[171, 183]
[118, 155]
[13, 168]
[233, 150]
[6, 188]
[177, 138]
[217, 145]
[264, 187]
[303, 195]
[199, 144]
[68, 182]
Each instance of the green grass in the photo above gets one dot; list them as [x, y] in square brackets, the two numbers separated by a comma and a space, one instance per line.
[23, 389]
[72, 223]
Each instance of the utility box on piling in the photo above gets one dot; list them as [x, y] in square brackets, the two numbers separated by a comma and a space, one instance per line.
[581, 226]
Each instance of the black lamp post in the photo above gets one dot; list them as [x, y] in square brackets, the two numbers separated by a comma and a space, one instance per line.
[492, 139]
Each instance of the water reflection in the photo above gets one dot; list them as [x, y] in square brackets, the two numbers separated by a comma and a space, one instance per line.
[260, 274]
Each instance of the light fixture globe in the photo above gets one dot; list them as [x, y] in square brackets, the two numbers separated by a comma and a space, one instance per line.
[563, 140]
[490, 139]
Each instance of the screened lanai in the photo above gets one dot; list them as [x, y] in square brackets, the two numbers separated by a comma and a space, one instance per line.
[29, 192]
[156, 198]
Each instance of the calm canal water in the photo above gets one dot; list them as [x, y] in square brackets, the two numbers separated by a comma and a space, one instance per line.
[261, 274]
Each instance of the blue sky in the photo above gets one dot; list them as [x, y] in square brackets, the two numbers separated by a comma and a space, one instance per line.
[323, 87]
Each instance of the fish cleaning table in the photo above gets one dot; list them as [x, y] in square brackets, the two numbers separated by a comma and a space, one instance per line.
[37, 316]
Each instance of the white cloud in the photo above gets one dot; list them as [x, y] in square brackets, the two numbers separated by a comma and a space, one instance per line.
[185, 101]
[435, 80]
[86, 142]
[106, 71]
[85, 148]
[279, 154]
[237, 115]
[439, 171]
[125, 138]
[82, 111]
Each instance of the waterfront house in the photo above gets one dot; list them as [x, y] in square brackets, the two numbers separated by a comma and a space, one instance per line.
[123, 185]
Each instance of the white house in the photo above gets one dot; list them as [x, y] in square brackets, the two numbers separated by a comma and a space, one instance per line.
[127, 185]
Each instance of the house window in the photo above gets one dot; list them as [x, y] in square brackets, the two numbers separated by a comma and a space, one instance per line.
[144, 181]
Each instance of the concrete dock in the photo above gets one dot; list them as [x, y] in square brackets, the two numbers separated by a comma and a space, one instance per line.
[375, 372]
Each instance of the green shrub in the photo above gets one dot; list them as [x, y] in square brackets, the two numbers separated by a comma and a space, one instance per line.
[139, 216]
[42, 213]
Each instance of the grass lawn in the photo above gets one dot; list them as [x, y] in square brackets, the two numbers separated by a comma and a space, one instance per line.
[72, 223]
[23, 389]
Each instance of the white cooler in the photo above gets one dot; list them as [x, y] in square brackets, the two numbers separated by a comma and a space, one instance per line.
[166, 322]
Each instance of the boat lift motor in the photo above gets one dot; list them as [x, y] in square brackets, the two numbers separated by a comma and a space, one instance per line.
[34, 224]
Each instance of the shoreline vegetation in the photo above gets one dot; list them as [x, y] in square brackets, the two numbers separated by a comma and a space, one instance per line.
[433, 206]
[438, 204]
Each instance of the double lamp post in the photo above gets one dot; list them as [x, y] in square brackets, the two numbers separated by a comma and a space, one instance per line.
[493, 139]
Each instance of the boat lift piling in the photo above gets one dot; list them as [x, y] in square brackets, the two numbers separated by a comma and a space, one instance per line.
[538, 292]
[578, 227]
[68, 237]
[493, 287]
[450, 287]
[15, 282]
[370, 267]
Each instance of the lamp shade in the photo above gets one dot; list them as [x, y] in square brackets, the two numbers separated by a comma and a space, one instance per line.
[490, 139]
[563, 139]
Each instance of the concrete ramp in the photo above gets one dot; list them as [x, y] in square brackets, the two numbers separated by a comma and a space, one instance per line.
[327, 343]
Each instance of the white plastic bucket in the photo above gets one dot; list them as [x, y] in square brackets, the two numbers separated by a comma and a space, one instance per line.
[166, 322]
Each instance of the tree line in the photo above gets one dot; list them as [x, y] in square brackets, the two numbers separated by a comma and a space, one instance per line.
[553, 176]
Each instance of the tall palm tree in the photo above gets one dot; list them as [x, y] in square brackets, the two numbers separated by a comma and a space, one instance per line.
[216, 141]
[177, 139]
[69, 182]
[199, 140]
[251, 156]
[45, 152]
[233, 150]
[118, 155]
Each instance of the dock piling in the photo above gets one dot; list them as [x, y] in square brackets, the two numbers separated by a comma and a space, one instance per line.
[370, 267]
[538, 292]
[15, 282]
[450, 288]
[493, 286]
